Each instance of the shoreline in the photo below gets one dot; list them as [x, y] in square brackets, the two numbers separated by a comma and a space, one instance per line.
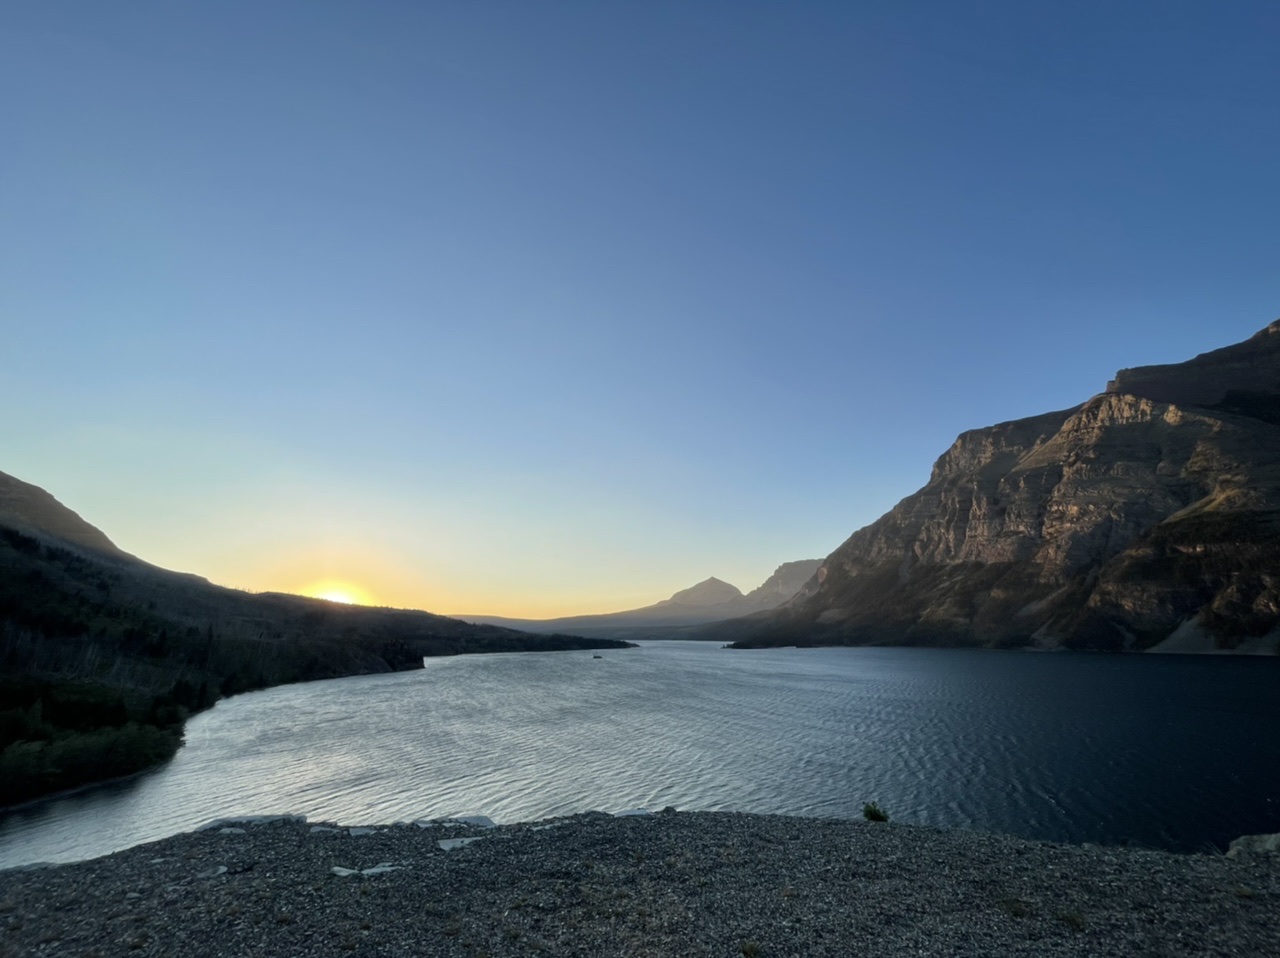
[670, 883]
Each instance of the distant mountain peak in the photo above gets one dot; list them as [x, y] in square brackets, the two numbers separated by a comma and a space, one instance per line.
[708, 592]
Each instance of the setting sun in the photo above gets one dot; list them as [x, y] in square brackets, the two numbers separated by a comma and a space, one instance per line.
[336, 591]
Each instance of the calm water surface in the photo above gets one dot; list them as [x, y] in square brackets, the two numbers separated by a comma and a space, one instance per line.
[1166, 751]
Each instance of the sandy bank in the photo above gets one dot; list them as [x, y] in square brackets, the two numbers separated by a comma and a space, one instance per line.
[676, 884]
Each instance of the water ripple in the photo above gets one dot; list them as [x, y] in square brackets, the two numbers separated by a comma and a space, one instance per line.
[1169, 752]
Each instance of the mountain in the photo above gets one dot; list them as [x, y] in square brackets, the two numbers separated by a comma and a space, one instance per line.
[785, 582]
[709, 593]
[711, 600]
[29, 508]
[1148, 517]
[103, 656]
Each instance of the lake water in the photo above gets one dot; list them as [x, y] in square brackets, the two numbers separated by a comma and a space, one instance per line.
[1176, 752]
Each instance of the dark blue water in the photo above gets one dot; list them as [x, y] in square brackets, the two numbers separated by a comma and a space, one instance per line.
[1175, 752]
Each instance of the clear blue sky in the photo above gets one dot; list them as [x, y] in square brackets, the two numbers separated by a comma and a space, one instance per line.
[536, 308]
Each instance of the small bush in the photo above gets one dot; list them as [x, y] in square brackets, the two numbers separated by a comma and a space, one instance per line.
[874, 813]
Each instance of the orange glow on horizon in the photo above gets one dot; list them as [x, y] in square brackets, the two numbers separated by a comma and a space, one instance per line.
[333, 590]
[388, 585]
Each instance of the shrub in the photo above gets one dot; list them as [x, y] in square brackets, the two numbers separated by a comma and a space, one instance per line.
[874, 813]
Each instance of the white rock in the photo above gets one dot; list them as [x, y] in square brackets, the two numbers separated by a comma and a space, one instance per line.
[449, 844]
[381, 869]
[1247, 845]
[213, 872]
[480, 821]
[632, 813]
[357, 832]
[344, 872]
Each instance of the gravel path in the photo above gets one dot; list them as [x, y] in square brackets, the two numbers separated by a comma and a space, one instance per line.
[678, 884]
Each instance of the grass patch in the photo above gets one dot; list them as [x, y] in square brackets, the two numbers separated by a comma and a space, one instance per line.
[874, 813]
[1015, 907]
[1072, 919]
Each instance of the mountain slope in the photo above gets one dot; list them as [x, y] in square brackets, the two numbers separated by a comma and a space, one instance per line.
[1148, 516]
[29, 508]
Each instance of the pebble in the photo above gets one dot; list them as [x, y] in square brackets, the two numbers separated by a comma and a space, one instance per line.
[666, 885]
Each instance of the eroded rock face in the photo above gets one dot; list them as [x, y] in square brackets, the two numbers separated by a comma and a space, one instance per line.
[1111, 525]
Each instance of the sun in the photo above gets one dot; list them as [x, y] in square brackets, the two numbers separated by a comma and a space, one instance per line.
[332, 590]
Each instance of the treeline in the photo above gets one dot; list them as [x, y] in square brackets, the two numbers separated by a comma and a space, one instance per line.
[60, 735]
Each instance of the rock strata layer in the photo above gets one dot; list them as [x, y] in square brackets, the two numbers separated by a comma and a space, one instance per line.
[1146, 518]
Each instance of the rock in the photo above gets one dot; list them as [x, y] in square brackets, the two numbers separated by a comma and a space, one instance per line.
[1247, 845]
[380, 869]
[480, 821]
[357, 832]
[449, 844]
[232, 831]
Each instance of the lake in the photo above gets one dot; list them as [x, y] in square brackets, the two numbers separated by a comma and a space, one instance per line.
[1176, 752]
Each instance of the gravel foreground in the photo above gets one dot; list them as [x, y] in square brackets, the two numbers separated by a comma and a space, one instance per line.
[674, 883]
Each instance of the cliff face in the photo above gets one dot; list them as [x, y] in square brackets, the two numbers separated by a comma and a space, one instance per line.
[1150, 514]
[788, 579]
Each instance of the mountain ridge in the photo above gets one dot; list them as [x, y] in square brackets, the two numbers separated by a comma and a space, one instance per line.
[710, 600]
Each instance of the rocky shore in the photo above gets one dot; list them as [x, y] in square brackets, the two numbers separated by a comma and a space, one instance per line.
[678, 884]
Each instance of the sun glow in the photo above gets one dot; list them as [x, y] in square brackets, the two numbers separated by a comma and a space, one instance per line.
[345, 592]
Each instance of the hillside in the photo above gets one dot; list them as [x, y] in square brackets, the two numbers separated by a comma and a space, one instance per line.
[103, 656]
[1146, 518]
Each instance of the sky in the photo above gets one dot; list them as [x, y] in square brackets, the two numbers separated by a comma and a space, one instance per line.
[537, 309]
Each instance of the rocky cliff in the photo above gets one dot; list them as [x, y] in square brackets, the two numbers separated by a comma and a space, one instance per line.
[1148, 517]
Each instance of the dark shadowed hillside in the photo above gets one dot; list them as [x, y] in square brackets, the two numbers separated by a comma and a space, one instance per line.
[103, 656]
